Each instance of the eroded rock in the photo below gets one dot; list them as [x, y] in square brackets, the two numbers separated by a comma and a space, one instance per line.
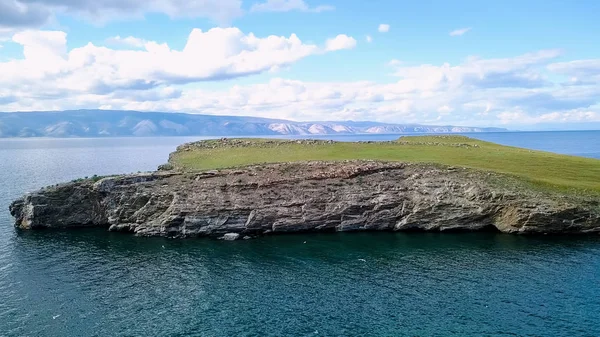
[305, 197]
[231, 236]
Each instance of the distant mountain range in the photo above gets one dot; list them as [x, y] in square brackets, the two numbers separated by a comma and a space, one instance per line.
[114, 123]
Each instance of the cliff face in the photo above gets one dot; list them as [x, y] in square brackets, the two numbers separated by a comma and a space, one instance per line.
[305, 197]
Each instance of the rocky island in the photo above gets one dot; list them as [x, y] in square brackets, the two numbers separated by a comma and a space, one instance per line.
[236, 188]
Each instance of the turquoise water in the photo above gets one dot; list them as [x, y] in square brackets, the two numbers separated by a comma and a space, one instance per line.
[94, 283]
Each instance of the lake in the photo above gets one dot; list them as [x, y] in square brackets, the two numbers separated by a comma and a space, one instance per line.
[95, 283]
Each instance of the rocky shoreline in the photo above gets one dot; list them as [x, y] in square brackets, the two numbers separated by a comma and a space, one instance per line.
[306, 197]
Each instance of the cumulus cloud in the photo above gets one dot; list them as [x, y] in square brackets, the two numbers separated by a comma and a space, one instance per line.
[504, 91]
[340, 42]
[41, 45]
[518, 72]
[383, 28]
[34, 13]
[297, 100]
[129, 41]
[368, 38]
[288, 5]
[217, 54]
[459, 32]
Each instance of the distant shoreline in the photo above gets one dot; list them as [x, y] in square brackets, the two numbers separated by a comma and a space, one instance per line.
[118, 123]
[309, 136]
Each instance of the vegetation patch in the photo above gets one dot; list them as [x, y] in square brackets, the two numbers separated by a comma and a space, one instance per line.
[538, 169]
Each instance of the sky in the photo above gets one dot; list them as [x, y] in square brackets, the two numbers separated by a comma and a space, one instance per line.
[526, 64]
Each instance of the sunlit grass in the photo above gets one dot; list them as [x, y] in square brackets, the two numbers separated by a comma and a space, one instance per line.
[543, 169]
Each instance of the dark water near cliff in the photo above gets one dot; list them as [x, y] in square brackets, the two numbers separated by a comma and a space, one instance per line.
[93, 283]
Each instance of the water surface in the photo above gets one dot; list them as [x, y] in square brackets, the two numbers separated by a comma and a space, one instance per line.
[94, 283]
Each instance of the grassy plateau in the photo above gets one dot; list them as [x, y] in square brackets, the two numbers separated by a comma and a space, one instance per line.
[543, 170]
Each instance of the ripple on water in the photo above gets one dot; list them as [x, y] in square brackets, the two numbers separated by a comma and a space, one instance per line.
[94, 283]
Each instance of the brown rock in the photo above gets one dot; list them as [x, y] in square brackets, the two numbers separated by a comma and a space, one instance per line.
[305, 197]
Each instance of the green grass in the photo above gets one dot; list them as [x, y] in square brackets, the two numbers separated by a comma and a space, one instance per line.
[543, 169]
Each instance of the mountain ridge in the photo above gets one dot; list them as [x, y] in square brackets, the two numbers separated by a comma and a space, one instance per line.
[125, 123]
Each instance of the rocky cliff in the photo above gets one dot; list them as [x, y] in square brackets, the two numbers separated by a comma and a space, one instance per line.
[306, 197]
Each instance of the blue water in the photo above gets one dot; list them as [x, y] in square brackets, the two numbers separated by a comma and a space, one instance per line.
[577, 143]
[94, 283]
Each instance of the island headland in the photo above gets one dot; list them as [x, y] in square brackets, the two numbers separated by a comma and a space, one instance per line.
[241, 188]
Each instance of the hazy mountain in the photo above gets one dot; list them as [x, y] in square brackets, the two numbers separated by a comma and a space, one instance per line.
[104, 123]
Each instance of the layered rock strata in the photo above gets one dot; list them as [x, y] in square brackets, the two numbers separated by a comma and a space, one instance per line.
[306, 197]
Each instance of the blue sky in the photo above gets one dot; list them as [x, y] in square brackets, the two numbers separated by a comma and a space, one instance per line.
[523, 64]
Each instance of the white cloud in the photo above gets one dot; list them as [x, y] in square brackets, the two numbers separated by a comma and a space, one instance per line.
[520, 117]
[459, 32]
[485, 92]
[217, 54]
[394, 63]
[7, 33]
[129, 41]
[16, 14]
[340, 42]
[480, 73]
[41, 45]
[323, 8]
[288, 5]
[368, 38]
[34, 13]
[580, 72]
[445, 110]
[297, 100]
[383, 28]
[578, 68]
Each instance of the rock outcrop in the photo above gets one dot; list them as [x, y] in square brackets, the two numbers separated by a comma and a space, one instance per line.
[306, 197]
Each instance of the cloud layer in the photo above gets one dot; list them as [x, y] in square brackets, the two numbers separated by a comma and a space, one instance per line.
[17, 14]
[147, 75]
[459, 32]
[218, 54]
[35, 13]
[287, 6]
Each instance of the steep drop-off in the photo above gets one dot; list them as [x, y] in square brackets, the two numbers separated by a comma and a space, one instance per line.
[315, 196]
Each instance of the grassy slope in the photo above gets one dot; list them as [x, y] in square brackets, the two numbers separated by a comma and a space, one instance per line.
[543, 169]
